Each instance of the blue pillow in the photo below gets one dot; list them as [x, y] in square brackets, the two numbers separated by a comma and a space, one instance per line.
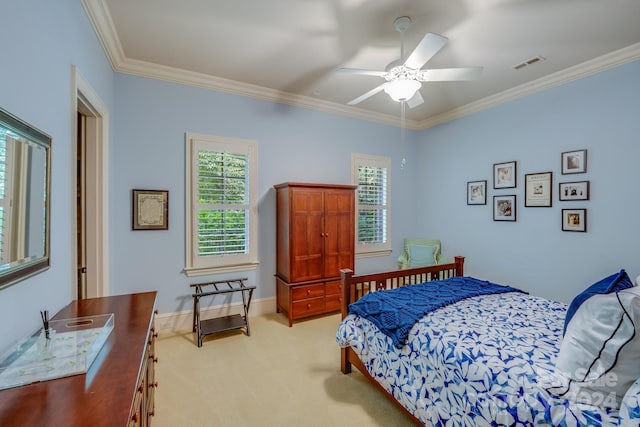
[614, 283]
[420, 256]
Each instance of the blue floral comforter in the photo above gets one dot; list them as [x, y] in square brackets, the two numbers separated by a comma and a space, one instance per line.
[395, 311]
[483, 361]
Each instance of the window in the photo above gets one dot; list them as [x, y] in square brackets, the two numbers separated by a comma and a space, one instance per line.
[221, 205]
[12, 181]
[371, 175]
[5, 197]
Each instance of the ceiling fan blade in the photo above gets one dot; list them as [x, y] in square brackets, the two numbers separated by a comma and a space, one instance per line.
[362, 72]
[366, 95]
[415, 100]
[450, 74]
[429, 45]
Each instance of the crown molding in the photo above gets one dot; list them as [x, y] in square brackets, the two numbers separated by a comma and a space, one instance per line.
[176, 75]
[619, 57]
[100, 18]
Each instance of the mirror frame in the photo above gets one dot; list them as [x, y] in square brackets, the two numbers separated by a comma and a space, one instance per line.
[16, 271]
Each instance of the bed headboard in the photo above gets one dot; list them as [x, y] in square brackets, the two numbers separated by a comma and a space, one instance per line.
[355, 287]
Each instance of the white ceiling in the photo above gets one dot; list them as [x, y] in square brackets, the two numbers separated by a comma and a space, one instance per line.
[288, 50]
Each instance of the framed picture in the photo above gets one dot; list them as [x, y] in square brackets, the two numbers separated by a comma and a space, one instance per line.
[537, 190]
[574, 162]
[504, 208]
[477, 192]
[574, 220]
[504, 175]
[150, 210]
[578, 190]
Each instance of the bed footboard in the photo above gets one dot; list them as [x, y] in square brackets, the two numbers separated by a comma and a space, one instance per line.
[355, 287]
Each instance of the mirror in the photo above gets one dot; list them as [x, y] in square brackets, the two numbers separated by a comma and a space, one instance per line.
[25, 161]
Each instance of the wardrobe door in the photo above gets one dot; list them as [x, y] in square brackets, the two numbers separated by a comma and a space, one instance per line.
[306, 234]
[338, 231]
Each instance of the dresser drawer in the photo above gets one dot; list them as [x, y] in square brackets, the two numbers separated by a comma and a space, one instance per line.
[309, 291]
[138, 404]
[333, 302]
[308, 307]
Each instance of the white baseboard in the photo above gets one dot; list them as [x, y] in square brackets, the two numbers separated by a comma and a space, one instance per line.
[182, 321]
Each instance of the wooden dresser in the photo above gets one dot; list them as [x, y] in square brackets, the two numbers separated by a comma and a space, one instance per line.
[315, 239]
[117, 390]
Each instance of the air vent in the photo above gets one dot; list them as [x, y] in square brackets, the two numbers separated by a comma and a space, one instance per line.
[531, 61]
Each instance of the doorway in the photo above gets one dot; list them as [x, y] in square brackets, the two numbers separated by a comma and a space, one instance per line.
[81, 233]
[90, 205]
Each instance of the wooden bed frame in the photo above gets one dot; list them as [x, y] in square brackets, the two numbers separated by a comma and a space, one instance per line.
[355, 287]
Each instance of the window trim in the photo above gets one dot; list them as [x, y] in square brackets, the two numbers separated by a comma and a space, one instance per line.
[367, 250]
[200, 266]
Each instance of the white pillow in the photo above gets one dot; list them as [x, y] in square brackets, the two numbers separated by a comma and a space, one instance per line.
[638, 281]
[598, 356]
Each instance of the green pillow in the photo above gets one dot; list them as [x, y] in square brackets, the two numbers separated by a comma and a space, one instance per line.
[420, 256]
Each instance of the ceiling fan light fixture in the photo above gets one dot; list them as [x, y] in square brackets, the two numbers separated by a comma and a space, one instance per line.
[402, 89]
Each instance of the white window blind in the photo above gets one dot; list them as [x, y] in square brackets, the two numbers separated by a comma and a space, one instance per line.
[371, 175]
[5, 195]
[222, 206]
[3, 198]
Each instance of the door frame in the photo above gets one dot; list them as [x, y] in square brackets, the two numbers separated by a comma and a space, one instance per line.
[85, 100]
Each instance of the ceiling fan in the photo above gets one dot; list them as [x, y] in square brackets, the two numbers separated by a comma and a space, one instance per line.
[404, 79]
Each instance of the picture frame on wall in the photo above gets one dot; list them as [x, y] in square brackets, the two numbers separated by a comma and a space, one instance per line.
[504, 208]
[577, 190]
[574, 220]
[477, 192]
[504, 175]
[538, 189]
[150, 210]
[574, 162]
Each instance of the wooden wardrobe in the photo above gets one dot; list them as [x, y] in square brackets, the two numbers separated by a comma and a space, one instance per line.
[315, 239]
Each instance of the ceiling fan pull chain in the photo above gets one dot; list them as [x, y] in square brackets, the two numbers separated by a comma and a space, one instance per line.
[403, 131]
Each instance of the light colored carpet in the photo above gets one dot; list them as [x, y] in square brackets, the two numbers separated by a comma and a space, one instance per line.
[278, 376]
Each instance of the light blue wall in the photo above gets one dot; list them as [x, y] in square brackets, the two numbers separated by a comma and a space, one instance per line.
[294, 144]
[40, 40]
[149, 119]
[148, 122]
[600, 113]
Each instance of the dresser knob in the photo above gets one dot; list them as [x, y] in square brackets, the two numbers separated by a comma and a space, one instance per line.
[308, 306]
[308, 291]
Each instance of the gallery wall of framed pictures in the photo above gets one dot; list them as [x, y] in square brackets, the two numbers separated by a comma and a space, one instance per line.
[538, 191]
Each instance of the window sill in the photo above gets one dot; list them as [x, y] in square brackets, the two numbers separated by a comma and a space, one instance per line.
[204, 271]
[373, 254]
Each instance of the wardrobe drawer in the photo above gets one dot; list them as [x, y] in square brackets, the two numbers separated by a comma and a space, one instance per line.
[308, 307]
[309, 291]
[333, 288]
[333, 302]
